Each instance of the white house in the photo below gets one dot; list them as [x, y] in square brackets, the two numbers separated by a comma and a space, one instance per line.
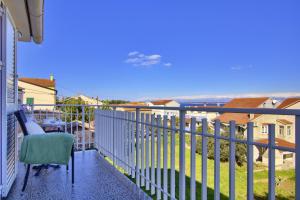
[38, 91]
[88, 100]
[199, 115]
[19, 21]
[164, 103]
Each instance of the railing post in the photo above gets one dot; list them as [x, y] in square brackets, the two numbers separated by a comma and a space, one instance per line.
[137, 170]
[271, 195]
[193, 159]
[217, 160]
[204, 159]
[182, 155]
[297, 141]
[249, 161]
[113, 136]
[83, 127]
[232, 160]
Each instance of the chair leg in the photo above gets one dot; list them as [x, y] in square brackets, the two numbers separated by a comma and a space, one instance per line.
[26, 178]
[67, 168]
[39, 170]
[72, 155]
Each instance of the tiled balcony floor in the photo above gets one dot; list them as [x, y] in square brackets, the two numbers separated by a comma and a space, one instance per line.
[93, 180]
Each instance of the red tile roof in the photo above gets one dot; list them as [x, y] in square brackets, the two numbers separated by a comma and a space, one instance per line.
[241, 118]
[278, 142]
[288, 102]
[46, 83]
[134, 104]
[161, 102]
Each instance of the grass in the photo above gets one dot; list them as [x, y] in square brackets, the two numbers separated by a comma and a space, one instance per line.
[285, 179]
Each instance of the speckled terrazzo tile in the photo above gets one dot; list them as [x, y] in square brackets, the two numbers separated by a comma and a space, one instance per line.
[94, 180]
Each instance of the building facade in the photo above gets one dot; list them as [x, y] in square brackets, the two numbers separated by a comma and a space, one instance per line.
[164, 103]
[284, 133]
[38, 91]
[284, 126]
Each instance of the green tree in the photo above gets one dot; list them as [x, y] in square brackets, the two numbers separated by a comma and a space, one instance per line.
[70, 108]
[240, 149]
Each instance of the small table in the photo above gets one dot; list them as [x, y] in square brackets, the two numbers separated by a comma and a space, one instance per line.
[55, 125]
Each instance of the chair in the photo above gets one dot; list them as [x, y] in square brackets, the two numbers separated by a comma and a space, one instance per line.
[20, 115]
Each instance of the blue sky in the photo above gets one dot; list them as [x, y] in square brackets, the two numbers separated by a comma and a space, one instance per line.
[154, 49]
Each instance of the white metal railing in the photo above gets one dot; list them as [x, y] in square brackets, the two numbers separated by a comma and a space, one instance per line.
[67, 118]
[134, 141]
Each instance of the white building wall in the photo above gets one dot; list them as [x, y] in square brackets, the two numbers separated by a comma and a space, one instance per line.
[39, 94]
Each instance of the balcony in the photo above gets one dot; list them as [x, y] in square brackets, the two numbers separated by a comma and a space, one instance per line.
[94, 179]
[170, 157]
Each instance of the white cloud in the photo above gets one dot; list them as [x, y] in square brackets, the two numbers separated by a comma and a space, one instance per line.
[139, 59]
[133, 53]
[168, 64]
[241, 67]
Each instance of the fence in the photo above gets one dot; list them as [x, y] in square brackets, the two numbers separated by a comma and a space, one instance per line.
[144, 146]
[75, 119]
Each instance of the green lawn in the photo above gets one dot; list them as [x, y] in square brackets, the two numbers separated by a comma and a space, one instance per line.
[285, 179]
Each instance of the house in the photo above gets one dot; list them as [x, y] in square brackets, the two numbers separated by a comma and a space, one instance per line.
[19, 21]
[242, 119]
[38, 91]
[199, 115]
[284, 126]
[88, 100]
[284, 133]
[164, 103]
[142, 110]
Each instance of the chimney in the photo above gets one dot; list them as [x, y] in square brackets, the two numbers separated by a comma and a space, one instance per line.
[51, 77]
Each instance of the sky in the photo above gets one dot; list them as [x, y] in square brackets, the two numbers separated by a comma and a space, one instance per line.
[159, 49]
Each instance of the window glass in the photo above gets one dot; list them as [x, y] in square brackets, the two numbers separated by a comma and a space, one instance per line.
[289, 130]
[265, 129]
[281, 130]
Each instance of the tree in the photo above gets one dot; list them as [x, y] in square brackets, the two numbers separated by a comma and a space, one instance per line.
[70, 108]
[240, 149]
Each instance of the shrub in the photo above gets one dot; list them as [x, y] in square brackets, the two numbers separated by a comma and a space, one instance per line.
[240, 149]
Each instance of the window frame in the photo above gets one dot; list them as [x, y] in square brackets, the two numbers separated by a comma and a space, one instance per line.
[281, 130]
[289, 130]
[265, 129]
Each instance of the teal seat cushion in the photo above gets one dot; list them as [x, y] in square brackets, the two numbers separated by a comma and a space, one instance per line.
[50, 148]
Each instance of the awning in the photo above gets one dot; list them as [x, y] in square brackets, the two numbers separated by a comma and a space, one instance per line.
[284, 121]
[28, 16]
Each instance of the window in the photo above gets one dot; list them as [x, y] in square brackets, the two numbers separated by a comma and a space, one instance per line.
[265, 129]
[30, 101]
[281, 130]
[286, 156]
[289, 130]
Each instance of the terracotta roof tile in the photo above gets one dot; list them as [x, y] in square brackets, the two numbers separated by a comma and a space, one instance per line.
[241, 118]
[288, 102]
[278, 142]
[246, 102]
[134, 104]
[161, 102]
[46, 83]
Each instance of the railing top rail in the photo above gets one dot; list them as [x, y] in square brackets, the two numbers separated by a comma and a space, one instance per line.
[270, 111]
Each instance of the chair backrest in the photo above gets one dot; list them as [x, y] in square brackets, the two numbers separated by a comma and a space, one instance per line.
[21, 117]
